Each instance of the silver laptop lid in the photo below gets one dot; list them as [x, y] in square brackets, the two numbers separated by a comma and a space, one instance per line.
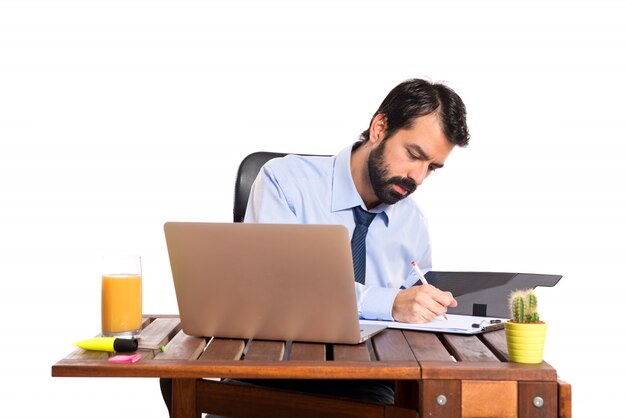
[264, 281]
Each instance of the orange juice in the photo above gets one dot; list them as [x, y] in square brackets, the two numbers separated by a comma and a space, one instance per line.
[121, 304]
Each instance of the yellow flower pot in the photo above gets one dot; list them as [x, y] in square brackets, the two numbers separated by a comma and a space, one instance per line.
[525, 341]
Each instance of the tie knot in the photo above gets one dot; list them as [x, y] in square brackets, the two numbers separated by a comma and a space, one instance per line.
[362, 217]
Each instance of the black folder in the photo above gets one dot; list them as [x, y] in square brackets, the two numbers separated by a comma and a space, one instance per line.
[486, 293]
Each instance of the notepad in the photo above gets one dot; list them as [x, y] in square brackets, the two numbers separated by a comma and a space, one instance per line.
[456, 324]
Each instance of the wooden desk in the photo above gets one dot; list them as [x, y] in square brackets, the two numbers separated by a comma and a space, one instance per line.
[440, 375]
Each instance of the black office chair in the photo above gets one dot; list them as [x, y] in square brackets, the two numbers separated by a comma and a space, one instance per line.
[246, 174]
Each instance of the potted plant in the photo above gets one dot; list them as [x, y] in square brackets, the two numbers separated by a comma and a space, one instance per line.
[525, 332]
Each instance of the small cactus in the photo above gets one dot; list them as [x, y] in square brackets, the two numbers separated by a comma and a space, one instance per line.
[523, 305]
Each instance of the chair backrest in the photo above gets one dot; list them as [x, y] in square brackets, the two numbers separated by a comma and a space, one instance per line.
[246, 174]
[248, 170]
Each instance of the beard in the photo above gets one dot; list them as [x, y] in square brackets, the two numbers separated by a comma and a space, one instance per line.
[382, 183]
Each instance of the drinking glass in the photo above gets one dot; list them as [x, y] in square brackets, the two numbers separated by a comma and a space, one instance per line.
[121, 296]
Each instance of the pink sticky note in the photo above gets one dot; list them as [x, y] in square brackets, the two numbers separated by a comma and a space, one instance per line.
[125, 359]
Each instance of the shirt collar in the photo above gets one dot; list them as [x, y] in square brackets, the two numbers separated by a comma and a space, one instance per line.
[344, 193]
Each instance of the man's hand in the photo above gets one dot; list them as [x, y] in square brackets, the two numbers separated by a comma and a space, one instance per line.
[420, 304]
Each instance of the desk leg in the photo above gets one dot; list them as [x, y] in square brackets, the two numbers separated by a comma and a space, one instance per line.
[440, 398]
[184, 398]
[565, 399]
[538, 399]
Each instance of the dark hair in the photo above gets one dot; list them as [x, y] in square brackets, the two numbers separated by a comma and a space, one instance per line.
[413, 98]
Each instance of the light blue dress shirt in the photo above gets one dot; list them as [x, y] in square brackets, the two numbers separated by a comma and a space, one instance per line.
[320, 190]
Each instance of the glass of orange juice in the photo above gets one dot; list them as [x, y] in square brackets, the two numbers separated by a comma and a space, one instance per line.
[121, 296]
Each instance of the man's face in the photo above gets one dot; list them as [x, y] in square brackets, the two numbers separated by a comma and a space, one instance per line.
[400, 163]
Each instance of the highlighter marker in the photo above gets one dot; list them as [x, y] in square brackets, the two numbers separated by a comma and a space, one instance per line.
[110, 344]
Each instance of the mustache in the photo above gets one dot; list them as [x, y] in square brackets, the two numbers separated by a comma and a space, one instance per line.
[404, 182]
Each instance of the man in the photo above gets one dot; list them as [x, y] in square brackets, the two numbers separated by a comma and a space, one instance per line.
[410, 136]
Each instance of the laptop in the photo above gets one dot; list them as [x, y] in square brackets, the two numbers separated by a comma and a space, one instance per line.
[287, 282]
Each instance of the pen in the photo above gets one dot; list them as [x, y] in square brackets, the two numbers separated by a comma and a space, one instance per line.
[151, 347]
[422, 279]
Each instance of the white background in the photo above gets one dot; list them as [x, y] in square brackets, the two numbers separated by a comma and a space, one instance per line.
[116, 116]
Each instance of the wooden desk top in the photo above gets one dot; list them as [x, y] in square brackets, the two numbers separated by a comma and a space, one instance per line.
[392, 354]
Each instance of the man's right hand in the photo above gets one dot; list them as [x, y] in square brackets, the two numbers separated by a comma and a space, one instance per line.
[421, 304]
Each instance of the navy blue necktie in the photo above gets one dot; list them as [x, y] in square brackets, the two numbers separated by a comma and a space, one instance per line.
[362, 220]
